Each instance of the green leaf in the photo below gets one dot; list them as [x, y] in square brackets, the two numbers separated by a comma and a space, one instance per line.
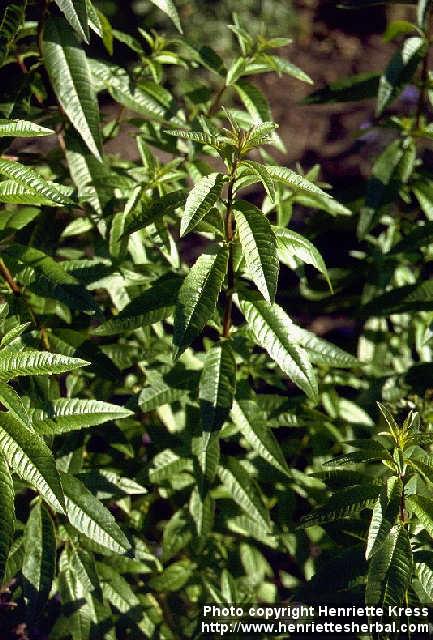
[77, 624]
[7, 514]
[153, 211]
[15, 332]
[119, 593]
[28, 455]
[217, 386]
[270, 324]
[281, 65]
[207, 449]
[33, 363]
[108, 484]
[167, 465]
[409, 297]
[67, 68]
[29, 179]
[259, 171]
[197, 298]
[385, 513]
[158, 395]
[243, 491]
[75, 12]
[424, 570]
[12, 401]
[319, 351]
[202, 511]
[22, 129]
[12, 192]
[293, 180]
[422, 507]
[424, 467]
[345, 503]
[399, 71]
[68, 414]
[196, 136]
[89, 175]
[254, 101]
[236, 70]
[353, 88]
[258, 248]
[121, 87]
[39, 565]
[292, 246]
[168, 7]
[155, 304]
[246, 416]
[390, 570]
[52, 281]
[12, 19]
[200, 201]
[89, 516]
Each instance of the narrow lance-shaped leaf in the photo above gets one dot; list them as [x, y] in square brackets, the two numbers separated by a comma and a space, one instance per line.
[260, 171]
[153, 305]
[259, 436]
[243, 491]
[319, 351]
[7, 514]
[22, 129]
[424, 570]
[153, 211]
[269, 324]
[14, 364]
[52, 281]
[202, 508]
[12, 192]
[39, 565]
[200, 201]
[258, 248]
[390, 570]
[13, 17]
[217, 386]
[75, 12]
[197, 298]
[292, 246]
[69, 73]
[422, 507]
[28, 178]
[346, 503]
[400, 69]
[87, 514]
[168, 7]
[385, 513]
[68, 414]
[12, 401]
[28, 455]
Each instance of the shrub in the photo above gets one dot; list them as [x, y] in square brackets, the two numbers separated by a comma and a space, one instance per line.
[147, 351]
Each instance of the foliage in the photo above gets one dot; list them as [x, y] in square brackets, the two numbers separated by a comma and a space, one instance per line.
[164, 416]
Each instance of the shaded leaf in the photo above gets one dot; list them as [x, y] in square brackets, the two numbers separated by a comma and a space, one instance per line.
[39, 564]
[217, 386]
[67, 68]
[29, 457]
[89, 516]
[197, 298]
[258, 248]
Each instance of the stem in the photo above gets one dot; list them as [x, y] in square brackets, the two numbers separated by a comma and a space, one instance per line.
[8, 278]
[216, 101]
[17, 291]
[227, 321]
[422, 99]
[402, 509]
